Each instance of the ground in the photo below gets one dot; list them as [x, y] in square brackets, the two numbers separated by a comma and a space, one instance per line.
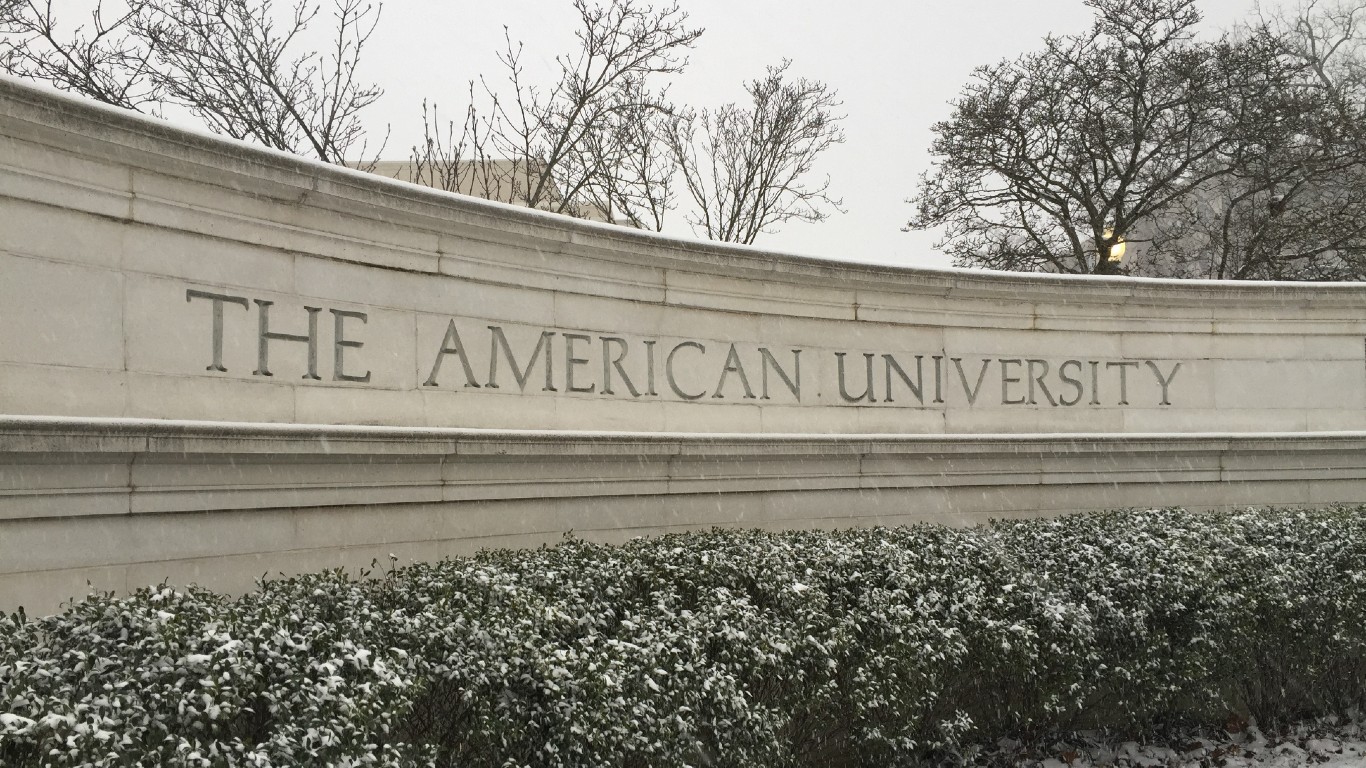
[1334, 742]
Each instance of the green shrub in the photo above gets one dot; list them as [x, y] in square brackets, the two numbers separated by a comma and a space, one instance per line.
[861, 647]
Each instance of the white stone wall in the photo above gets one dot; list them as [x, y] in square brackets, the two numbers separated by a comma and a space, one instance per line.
[144, 270]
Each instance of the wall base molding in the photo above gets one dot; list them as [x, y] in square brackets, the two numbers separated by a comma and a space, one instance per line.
[121, 503]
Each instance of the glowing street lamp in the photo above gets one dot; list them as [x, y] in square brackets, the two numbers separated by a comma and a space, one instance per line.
[1116, 254]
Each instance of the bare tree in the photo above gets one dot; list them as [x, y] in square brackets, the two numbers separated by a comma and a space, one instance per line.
[745, 167]
[240, 66]
[1294, 204]
[606, 142]
[1051, 160]
[105, 60]
[248, 77]
[588, 143]
[456, 162]
[629, 166]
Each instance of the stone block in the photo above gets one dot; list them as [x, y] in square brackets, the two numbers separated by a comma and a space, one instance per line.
[42, 593]
[63, 503]
[170, 483]
[595, 412]
[36, 485]
[43, 174]
[53, 390]
[542, 266]
[611, 317]
[704, 290]
[207, 263]
[1287, 384]
[56, 313]
[330, 404]
[908, 420]
[54, 233]
[1139, 344]
[1150, 420]
[1332, 347]
[1037, 419]
[1330, 420]
[290, 225]
[163, 396]
[729, 418]
[1053, 345]
[482, 409]
[442, 297]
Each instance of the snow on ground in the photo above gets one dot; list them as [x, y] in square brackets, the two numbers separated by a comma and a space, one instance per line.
[1327, 743]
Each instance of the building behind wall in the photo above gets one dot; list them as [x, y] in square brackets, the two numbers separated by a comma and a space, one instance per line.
[504, 181]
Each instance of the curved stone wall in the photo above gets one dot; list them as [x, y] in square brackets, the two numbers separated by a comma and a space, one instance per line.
[153, 279]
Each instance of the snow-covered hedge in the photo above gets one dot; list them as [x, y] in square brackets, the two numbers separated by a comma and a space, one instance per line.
[736, 648]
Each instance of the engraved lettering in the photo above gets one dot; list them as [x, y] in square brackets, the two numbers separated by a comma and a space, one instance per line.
[890, 364]
[1123, 378]
[1024, 381]
[451, 345]
[867, 393]
[794, 384]
[669, 370]
[264, 336]
[571, 362]
[733, 365]
[1007, 380]
[609, 362]
[218, 300]
[499, 341]
[340, 343]
[938, 378]
[650, 368]
[981, 376]
[1041, 366]
[1162, 381]
[1075, 383]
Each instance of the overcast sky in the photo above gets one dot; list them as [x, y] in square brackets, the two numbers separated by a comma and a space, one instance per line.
[895, 63]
